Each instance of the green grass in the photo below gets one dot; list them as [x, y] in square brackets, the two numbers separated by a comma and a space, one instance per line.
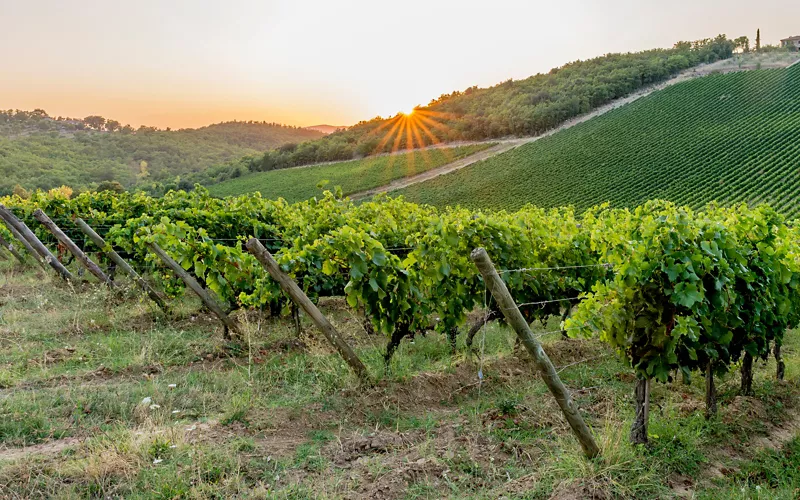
[298, 184]
[731, 138]
[266, 423]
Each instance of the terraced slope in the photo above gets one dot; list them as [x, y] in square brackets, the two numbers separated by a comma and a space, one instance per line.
[731, 138]
[300, 183]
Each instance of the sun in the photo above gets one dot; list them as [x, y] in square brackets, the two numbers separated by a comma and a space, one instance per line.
[408, 112]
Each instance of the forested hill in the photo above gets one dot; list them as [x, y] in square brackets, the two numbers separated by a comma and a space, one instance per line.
[39, 151]
[524, 107]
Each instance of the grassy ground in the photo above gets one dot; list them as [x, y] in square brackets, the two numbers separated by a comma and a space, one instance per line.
[298, 184]
[104, 397]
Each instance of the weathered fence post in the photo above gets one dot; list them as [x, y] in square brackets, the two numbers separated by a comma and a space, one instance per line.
[8, 246]
[21, 239]
[70, 245]
[115, 258]
[641, 396]
[780, 370]
[37, 246]
[546, 369]
[208, 300]
[300, 298]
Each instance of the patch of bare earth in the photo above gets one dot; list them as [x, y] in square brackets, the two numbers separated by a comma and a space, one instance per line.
[46, 449]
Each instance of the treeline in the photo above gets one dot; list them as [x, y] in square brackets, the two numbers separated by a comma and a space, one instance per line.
[19, 121]
[41, 152]
[524, 107]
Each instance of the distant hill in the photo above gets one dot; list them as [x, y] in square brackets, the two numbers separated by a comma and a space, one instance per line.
[512, 108]
[724, 137]
[326, 129]
[41, 152]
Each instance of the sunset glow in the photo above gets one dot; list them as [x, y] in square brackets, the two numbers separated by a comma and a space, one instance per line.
[188, 64]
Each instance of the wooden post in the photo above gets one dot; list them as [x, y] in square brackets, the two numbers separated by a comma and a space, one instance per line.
[747, 375]
[34, 242]
[298, 297]
[84, 259]
[711, 392]
[780, 371]
[208, 300]
[24, 242]
[641, 396]
[546, 369]
[119, 261]
[8, 246]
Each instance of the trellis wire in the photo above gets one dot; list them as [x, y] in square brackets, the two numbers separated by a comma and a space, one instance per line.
[553, 268]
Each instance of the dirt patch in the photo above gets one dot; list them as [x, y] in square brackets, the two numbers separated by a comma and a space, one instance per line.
[583, 489]
[351, 449]
[51, 448]
[52, 357]
[384, 464]
[395, 483]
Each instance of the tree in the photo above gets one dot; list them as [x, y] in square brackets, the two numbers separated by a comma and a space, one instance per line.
[112, 125]
[113, 186]
[95, 122]
[758, 39]
[21, 192]
[742, 43]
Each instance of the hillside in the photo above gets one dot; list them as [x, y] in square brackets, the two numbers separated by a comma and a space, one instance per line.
[38, 151]
[300, 183]
[727, 137]
[512, 108]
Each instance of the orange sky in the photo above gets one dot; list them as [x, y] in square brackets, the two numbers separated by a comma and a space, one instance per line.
[189, 63]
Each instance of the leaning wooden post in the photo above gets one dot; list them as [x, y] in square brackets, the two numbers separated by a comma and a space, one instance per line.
[115, 258]
[84, 259]
[38, 246]
[298, 297]
[543, 364]
[208, 300]
[24, 242]
[8, 246]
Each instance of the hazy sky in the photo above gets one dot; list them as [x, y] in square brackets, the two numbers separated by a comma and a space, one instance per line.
[305, 62]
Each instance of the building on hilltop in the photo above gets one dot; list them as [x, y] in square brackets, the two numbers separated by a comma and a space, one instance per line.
[793, 42]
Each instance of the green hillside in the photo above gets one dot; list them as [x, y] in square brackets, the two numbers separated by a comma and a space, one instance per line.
[512, 108]
[731, 138]
[296, 184]
[38, 151]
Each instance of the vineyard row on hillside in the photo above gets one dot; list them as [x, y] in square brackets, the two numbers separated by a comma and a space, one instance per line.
[674, 291]
[729, 138]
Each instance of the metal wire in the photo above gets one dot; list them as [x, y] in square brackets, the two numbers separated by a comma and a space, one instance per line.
[554, 268]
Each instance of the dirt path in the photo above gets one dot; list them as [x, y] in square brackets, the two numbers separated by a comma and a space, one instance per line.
[505, 145]
[502, 147]
[50, 448]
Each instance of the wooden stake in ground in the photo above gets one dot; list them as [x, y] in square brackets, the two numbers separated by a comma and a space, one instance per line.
[205, 296]
[641, 396]
[298, 297]
[711, 392]
[70, 245]
[8, 246]
[119, 261]
[747, 375]
[780, 371]
[33, 253]
[546, 369]
[37, 246]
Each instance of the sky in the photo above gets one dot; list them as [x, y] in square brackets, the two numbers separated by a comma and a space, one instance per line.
[176, 63]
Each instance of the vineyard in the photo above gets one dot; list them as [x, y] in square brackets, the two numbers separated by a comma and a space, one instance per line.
[729, 138]
[298, 184]
[672, 293]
